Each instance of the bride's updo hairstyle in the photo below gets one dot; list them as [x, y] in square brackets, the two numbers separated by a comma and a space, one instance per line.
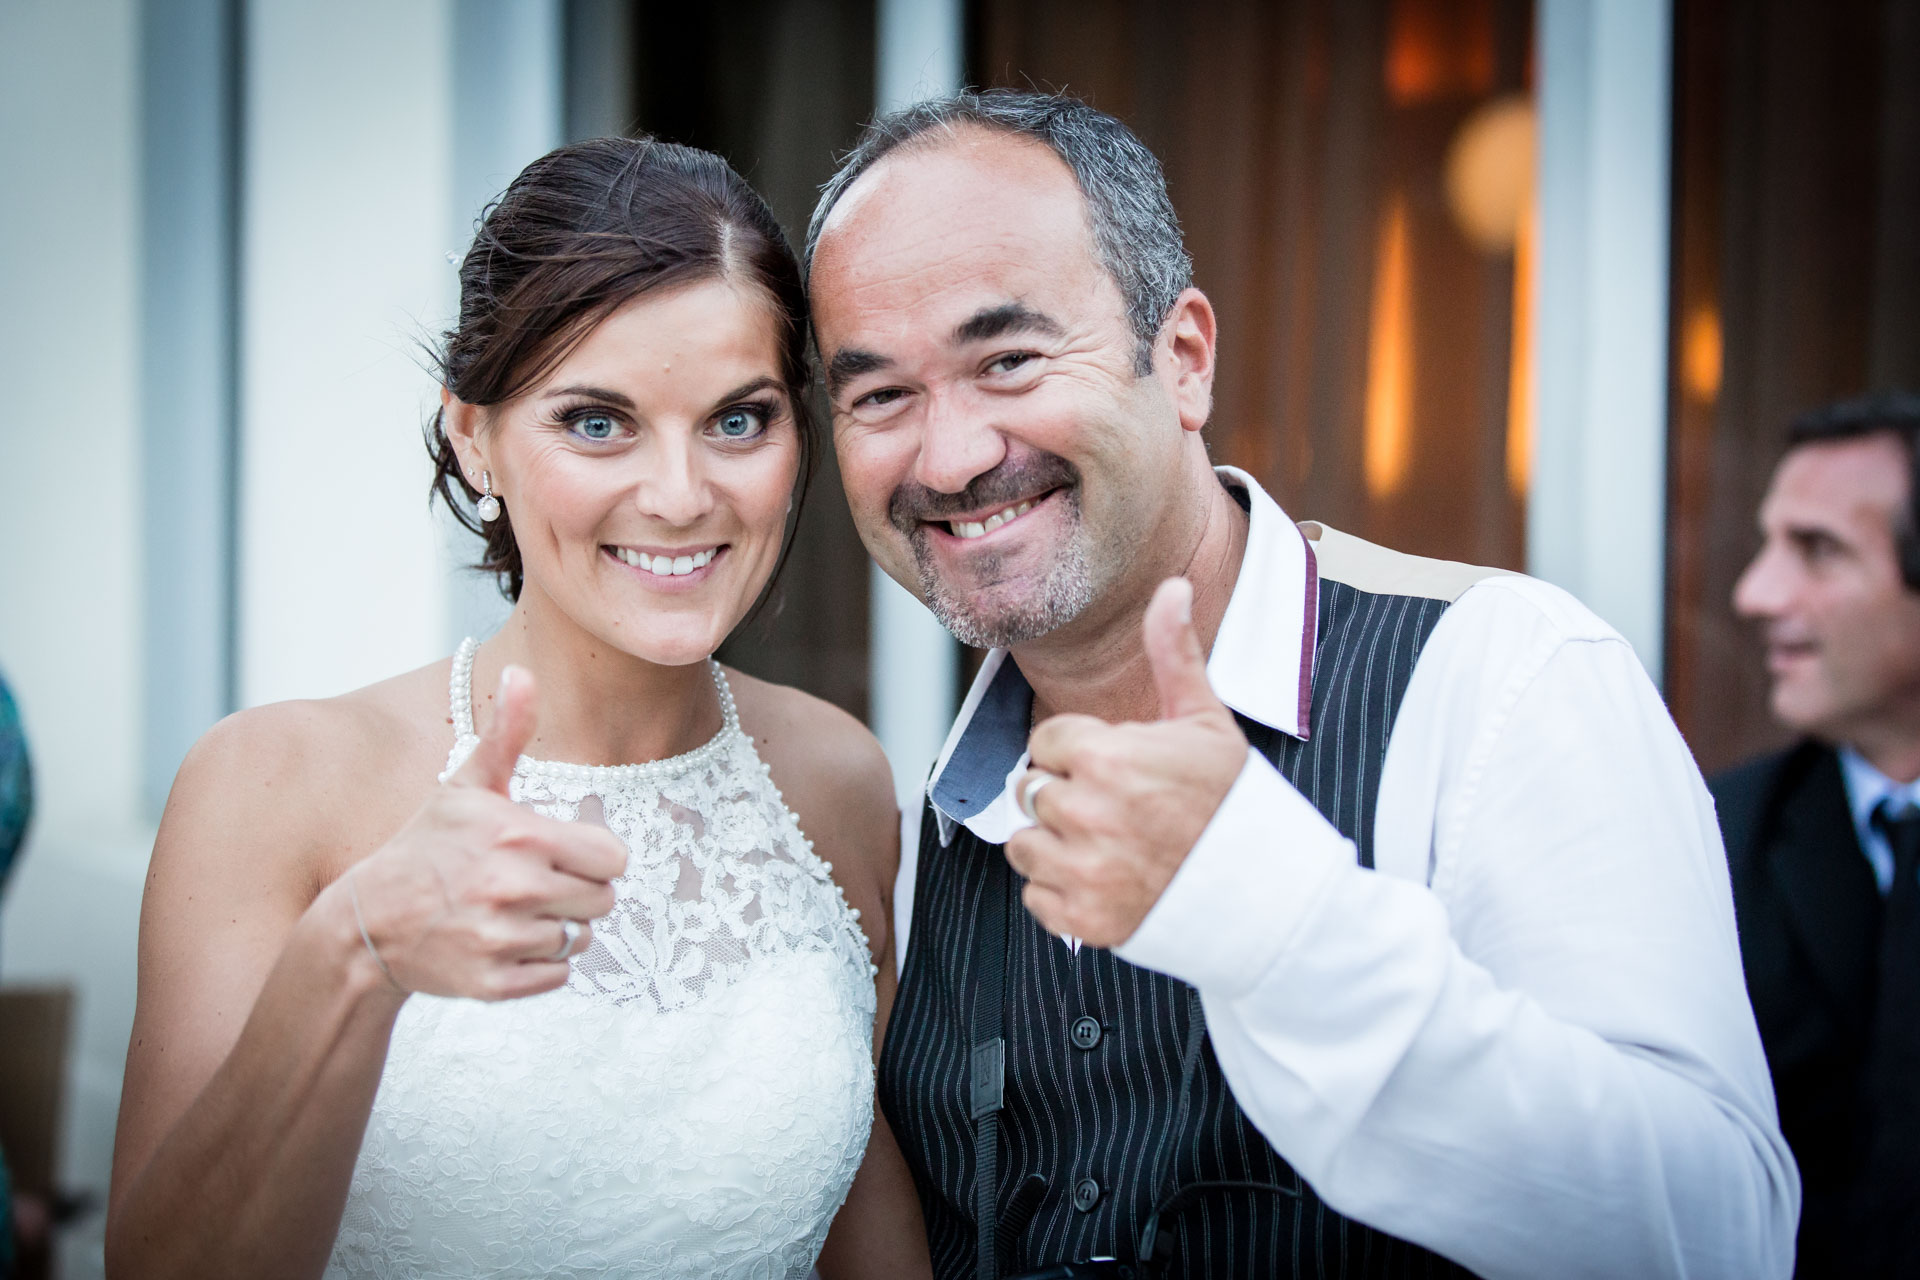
[581, 232]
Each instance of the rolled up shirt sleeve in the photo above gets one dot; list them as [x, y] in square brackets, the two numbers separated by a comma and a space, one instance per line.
[1534, 1055]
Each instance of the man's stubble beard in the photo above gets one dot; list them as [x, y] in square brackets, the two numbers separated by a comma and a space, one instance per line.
[1069, 587]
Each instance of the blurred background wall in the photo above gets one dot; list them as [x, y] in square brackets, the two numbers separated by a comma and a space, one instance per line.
[1533, 283]
[71, 525]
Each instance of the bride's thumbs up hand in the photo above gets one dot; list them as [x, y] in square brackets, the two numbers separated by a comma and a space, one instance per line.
[478, 896]
[1117, 807]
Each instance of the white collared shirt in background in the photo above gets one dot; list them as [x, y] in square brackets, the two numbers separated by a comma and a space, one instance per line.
[1867, 788]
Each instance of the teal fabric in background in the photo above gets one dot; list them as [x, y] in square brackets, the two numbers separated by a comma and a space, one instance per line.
[16, 806]
[16, 783]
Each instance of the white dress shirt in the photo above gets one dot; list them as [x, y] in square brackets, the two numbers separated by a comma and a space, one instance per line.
[1524, 1041]
[1867, 789]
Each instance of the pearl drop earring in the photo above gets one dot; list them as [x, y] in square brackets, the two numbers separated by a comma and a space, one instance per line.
[488, 508]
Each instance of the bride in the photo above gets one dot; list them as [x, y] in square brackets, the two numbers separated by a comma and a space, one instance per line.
[376, 1034]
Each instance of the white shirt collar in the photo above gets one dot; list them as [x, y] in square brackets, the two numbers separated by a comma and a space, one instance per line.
[1867, 787]
[1261, 666]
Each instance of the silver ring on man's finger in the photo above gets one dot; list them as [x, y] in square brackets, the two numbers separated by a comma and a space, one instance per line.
[569, 934]
[1029, 789]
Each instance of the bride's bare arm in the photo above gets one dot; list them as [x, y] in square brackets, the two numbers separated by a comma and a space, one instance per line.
[835, 775]
[262, 1019]
[235, 1146]
[879, 1232]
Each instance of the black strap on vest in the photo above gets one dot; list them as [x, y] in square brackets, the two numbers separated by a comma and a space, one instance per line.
[989, 1071]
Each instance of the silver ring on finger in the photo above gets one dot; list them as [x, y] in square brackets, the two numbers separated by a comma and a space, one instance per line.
[569, 934]
[1030, 789]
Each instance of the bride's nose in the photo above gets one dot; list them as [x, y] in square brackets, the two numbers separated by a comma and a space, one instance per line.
[674, 487]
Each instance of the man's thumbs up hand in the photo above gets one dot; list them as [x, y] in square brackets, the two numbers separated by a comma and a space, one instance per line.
[1118, 807]
[1173, 650]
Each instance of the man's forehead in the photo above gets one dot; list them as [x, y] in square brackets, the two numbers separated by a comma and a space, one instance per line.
[971, 200]
[1875, 463]
[951, 225]
[984, 168]
[1860, 478]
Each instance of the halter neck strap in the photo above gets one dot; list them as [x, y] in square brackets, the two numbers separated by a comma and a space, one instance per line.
[460, 696]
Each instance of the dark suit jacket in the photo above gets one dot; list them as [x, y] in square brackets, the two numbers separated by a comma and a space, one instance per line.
[1809, 915]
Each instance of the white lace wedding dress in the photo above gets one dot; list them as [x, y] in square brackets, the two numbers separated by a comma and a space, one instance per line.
[693, 1102]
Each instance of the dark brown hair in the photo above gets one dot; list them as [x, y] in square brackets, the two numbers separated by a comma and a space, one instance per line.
[582, 231]
[1896, 413]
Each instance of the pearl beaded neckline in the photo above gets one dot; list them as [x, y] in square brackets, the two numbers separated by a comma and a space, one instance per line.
[460, 682]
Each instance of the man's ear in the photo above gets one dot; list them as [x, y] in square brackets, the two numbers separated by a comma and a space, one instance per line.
[462, 422]
[1185, 356]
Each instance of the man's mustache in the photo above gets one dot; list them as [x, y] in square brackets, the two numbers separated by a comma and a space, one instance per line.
[1011, 481]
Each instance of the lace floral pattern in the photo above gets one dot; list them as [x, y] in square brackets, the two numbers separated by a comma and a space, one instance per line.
[696, 1099]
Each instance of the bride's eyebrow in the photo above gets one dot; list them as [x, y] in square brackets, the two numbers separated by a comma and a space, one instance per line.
[754, 387]
[615, 398]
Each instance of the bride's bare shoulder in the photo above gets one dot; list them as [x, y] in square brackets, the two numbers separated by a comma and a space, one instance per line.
[834, 776]
[333, 769]
[820, 747]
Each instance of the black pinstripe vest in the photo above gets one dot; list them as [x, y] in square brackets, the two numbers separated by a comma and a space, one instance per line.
[1089, 1119]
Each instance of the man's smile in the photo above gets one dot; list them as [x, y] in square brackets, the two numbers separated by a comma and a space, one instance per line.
[980, 528]
[971, 526]
[984, 529]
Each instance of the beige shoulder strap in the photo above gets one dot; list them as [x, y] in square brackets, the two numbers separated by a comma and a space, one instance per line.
[1341, 557]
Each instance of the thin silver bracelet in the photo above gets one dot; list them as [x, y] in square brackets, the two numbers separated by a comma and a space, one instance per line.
[353, 895]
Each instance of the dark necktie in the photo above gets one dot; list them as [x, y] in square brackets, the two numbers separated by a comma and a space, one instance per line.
[1890, 1181]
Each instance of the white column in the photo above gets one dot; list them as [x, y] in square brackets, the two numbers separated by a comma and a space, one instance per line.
[1596, 515]
[912, 662]
[348, 160]
[188, 114]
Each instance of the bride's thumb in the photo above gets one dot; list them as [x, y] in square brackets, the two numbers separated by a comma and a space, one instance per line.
[490, 767]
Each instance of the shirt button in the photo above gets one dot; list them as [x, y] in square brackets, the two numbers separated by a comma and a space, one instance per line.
[1086, 1194]
[1086, 1033]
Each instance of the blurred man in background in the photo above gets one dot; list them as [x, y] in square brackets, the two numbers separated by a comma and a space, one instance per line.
[1823, 837]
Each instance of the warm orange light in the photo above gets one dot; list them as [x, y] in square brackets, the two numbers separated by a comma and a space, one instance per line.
[1388, 440]
[1520, 359]
[1437, 49]
[1702, 351]
[1489, 172]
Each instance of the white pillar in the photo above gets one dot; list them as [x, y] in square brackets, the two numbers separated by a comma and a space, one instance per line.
[348, 160]
[1596, 515]
[188, 169]
[912, 662]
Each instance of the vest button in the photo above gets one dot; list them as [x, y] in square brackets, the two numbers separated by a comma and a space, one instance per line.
[1086, 1033]
[1086, 1194]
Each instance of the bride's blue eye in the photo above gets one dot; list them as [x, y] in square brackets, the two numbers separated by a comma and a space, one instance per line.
[595, 426]
[741, 423]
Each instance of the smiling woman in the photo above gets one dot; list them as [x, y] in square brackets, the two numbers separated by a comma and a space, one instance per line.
[602, 1012]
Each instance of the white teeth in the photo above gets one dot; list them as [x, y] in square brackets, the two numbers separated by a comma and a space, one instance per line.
[666, 566]
[980, 528]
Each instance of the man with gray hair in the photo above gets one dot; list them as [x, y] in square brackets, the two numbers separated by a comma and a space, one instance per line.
[1280, 905]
